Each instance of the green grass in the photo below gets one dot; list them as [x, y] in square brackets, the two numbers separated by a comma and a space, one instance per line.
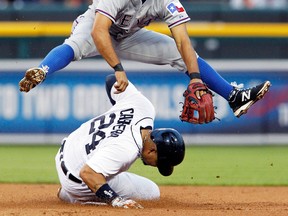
[228, 165]
[28, 164]
[203, 165]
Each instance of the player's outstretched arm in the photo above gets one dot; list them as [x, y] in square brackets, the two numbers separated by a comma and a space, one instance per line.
[198, 103]
[102, 39]
[186, 49]
[98, 185]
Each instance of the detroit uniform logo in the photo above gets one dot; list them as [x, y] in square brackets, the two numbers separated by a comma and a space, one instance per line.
[175, 7]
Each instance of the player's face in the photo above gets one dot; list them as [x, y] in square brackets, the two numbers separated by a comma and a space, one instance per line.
[150, 160]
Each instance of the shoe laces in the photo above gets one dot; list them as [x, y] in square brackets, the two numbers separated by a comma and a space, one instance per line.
[238, 86]
[45, 68]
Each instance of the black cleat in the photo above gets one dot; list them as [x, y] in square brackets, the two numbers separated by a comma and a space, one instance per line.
[240, 100]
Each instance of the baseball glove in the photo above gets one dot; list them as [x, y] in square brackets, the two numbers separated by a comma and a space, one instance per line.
[198, 104]
[32, 78]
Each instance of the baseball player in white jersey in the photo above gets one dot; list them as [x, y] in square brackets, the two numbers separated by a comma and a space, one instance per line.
[114, 30]
[93, 160]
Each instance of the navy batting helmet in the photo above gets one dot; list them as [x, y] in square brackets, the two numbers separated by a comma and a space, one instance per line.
[170, 149]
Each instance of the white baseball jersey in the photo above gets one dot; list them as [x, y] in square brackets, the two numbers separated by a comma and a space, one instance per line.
[128, 16]
[111, 142]
[130, 40]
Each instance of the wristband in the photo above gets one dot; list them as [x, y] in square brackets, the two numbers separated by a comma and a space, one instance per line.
[118, 67]
[106, 193]
[194, 75]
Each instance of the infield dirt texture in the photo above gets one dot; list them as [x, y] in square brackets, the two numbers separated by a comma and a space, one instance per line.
[33, 199]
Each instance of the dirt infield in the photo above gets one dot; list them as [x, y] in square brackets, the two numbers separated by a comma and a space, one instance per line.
[33, 200]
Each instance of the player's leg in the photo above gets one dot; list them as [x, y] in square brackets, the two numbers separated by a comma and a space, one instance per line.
[57, 59]
[216, 82]
[79, 45]
[240, 100]
[126, 185]
[129, 185]
[73, 192]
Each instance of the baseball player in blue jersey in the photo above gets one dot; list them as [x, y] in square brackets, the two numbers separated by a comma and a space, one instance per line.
[93, 160]
[114, 30]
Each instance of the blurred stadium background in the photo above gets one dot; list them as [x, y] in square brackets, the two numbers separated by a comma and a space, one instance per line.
[246, 41]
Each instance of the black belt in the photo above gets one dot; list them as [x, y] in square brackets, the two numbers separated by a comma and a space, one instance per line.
[64, 168]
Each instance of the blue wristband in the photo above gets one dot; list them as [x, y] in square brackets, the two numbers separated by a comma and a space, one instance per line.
[106, 193]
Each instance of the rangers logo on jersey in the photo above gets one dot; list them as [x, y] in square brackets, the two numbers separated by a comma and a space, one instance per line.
[175, 7]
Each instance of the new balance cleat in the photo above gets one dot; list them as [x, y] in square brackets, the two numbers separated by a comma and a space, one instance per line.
[241, 100]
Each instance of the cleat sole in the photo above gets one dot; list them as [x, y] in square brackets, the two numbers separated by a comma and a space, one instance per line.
[244, 109]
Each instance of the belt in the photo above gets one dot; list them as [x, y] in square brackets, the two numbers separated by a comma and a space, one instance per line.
[64, 168]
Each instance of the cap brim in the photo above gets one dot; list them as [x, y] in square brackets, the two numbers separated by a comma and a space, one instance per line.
[165, 169]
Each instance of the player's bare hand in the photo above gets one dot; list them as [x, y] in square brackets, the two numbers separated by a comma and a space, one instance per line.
[128, 203]
[198, 93]
[122, 81]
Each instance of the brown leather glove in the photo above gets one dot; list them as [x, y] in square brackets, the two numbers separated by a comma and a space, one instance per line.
[198, 104]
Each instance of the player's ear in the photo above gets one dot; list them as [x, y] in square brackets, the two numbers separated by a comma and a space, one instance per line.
[110, 80]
